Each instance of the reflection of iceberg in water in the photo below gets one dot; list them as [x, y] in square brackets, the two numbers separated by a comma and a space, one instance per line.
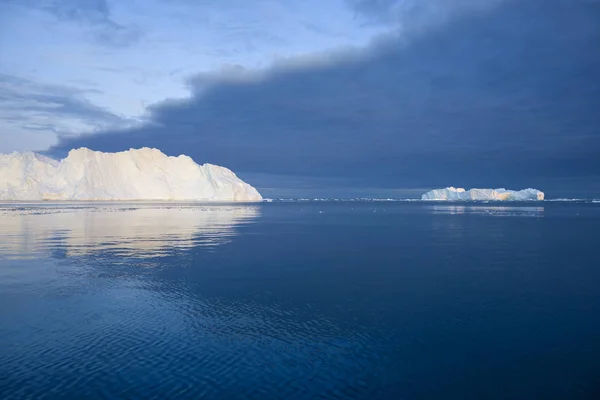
[140, 230]
[494, 211]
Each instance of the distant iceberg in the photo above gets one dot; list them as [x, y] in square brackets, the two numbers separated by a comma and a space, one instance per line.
[452, 193]
[136, 174]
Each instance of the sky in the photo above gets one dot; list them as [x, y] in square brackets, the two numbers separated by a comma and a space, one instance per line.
[375, 98]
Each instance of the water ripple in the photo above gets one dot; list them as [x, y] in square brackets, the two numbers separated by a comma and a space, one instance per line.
[348, 304]
[143, 232]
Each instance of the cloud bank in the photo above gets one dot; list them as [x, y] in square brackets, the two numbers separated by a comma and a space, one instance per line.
[123, 55]
[501, 98]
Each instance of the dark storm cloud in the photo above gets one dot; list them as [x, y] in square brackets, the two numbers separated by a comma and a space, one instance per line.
[506, 98]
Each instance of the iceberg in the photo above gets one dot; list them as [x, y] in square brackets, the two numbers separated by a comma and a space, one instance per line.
[136, 174]
[460, 194]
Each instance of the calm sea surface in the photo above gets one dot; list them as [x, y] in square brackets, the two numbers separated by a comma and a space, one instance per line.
[302, 300]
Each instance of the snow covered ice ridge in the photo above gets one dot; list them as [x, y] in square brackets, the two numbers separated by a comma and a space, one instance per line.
[452, 193]
[136, 174]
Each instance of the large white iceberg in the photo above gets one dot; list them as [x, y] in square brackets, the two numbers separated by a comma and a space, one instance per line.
[136, 174]
[452, 193]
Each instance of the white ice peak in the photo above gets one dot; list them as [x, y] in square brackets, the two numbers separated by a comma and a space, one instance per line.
[136, 174]
[452, 193]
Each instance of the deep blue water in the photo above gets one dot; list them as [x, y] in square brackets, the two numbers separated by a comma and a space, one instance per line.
[313, 300]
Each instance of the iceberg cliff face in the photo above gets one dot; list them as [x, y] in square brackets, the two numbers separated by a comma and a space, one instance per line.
[136, 174]
[452, 193]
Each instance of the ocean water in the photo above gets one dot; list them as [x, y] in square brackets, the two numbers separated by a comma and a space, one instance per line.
[300, 300]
